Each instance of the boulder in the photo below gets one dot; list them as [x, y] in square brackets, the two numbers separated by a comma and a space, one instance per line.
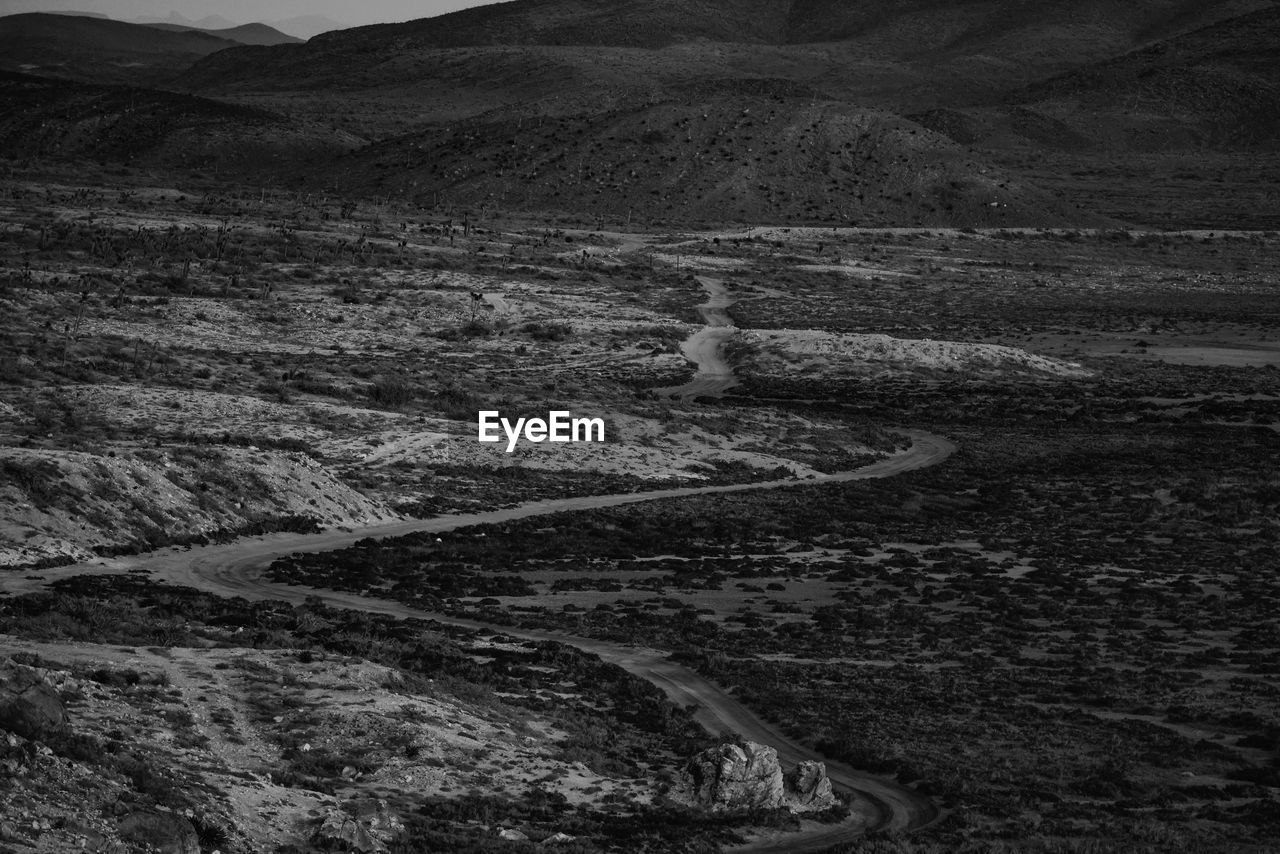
[512, 835]
[734, 777]
[29, 705]
[808, 787]
[162, 831]
[367, 826]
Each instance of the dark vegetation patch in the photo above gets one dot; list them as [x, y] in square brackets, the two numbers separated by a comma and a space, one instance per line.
[1076, 642]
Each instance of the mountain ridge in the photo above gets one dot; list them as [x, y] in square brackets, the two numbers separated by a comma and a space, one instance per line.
[100, 49]
[248, 34]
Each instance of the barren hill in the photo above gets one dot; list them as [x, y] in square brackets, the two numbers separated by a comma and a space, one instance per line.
[622, 23]
[542, 104]
[98, 49]
[1217, 86]
[59, 118]
[1071, 28]
[711, 159]
[893, 53]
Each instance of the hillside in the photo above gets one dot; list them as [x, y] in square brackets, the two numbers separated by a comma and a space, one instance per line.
[98, 49]
[617, 23]
[62, 119]
[428, 97]
[1067, 28]
[1218, 86]
[715, 158]
[254, 34]
[900, 57]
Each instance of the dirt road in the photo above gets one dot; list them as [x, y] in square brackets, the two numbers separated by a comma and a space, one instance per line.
[178, 564]
[236, 569]
[705, 348]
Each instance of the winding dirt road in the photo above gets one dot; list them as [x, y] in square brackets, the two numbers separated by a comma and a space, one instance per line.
[238, 569]
[189, 565]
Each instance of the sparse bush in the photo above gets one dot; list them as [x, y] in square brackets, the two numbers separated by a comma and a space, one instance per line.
[392, 392]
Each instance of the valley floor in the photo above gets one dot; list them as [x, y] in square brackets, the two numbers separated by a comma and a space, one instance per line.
[986, 519]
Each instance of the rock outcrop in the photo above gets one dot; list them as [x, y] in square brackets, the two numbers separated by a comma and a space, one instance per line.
[737, 777]
[29, 705]
[734, 777]
[808, 786]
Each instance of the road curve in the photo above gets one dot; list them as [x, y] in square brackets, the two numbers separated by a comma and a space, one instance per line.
[237, 569]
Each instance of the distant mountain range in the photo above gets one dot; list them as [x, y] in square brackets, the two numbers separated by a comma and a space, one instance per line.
[869, 111]
[258, 34]
[209, 22]
[97, 49]
[301, 27]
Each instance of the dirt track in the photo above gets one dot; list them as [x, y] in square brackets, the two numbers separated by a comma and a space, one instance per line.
[236, 569]
[703, 348]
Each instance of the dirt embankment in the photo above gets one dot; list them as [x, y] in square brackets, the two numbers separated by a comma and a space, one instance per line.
[59, 505]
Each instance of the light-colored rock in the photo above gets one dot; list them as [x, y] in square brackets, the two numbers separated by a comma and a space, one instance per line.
[558, 839]
[737, 777]
[734, 777]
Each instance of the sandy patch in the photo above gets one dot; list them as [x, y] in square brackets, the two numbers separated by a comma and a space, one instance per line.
[818, 352]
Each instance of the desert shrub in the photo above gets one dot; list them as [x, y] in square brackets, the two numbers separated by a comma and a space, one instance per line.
[392, 391]
[38, 479]
[546, 331]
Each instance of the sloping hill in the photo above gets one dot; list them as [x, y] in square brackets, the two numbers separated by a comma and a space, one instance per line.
[620, 23]
[713, 158]
[256, 34]
[896, 54]
[1083, 28]
[1059, 30]
[1217, 86]
[98, 49]
[67, 120]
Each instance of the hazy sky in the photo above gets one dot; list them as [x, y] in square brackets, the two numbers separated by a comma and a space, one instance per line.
[244, 11]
